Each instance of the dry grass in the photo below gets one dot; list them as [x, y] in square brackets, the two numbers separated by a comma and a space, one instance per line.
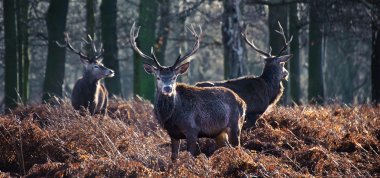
[56, 141]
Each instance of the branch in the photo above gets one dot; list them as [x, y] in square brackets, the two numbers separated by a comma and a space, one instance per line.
[367, 4]
[189, 11]
[274, 2]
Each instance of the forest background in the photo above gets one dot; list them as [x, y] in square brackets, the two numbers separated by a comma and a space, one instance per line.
[336, 45]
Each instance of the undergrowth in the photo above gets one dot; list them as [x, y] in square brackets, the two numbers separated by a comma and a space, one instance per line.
[305, 141]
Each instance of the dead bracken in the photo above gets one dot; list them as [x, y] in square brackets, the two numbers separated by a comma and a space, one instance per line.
[304, 141]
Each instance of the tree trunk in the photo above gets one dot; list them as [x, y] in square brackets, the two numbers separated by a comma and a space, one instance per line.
[20, 62]
[294, 63]
[277, 14]
[23, 49]
[109, 39]
[234, 47]
[55, 65]
[163, 30]
[375, 61]
[180, 32]
[143, 82]
[10, 41]
[90, 17]
[316, 89]
[90, 24]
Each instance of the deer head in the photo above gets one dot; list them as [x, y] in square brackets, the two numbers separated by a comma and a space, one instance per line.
[92, 63]
[274, 60]
[166, 76]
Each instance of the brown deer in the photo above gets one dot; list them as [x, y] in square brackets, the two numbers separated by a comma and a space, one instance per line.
[88, 92]
[189, 112]
[259, 92]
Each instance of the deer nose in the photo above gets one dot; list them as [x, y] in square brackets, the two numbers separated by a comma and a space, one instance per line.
[167, 89]
[111, 73]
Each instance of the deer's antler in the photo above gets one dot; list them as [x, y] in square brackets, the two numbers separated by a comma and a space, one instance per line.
[287, 43]
[195, 48]
[67, 44]
[134, 33]
[250, 43]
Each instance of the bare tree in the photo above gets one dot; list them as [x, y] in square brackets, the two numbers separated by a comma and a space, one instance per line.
[55, 65]
[375, 59]
[316, 89]
[294, 64]
[22, 11]
[234, 47]
[109, 39]
[10, 40]
[143, 83]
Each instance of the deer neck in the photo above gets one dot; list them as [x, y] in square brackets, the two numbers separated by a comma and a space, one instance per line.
[92, 83]
[90, 79]
[272, 77]
[164, 106]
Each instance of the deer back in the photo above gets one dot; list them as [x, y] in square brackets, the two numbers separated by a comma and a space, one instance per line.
[254, 91]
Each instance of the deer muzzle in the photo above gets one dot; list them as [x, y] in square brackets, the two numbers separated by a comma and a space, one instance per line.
[111, 73]
[167, 90]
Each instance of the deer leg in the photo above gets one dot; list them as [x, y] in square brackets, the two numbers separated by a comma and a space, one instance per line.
[191, 140]
[235, 135]
[175, 147]
[222, 139]
[104, 108]
[251, 119]
[92, 108]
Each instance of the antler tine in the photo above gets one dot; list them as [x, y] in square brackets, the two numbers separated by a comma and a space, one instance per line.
[195, 46]
[250, 43]
[154, 55]
[133, 34]
[98, 52]
[68, 45]
[287, 43]
[92, 43]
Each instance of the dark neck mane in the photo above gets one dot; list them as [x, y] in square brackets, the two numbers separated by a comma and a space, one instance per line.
[91, 85]
[272, 76]
[164, 107]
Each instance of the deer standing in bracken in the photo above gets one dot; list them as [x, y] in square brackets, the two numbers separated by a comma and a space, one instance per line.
[259, 92]
[88, 92]
[188, 112]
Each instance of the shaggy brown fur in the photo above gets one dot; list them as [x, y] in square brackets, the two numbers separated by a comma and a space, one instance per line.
[257, 92]
[188, 112]
[195, 112]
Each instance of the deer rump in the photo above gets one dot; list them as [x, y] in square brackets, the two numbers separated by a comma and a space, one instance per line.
[255, 92]
[203, 111]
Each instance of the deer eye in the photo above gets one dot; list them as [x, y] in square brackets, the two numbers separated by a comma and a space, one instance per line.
[158, 78]
[96, 67]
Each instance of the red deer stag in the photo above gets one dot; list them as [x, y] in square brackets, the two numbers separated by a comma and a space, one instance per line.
[259, 92]
[188, 112]
[88, 92]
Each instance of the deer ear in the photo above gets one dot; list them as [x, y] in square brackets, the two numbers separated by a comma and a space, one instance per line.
[149, 69]
[284, 58]
[182, 68]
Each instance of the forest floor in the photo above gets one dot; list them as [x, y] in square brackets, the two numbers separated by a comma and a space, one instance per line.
[303, 141]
